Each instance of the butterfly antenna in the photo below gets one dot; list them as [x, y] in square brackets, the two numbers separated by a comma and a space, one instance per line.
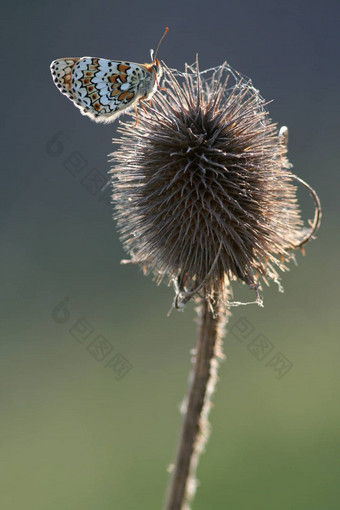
[154, 56]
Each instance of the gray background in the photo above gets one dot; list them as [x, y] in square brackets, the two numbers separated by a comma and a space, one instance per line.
[75, 436]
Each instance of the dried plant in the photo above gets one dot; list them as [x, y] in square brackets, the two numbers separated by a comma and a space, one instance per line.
[204, 195]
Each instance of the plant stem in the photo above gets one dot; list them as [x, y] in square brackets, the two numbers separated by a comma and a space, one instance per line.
[195, 426]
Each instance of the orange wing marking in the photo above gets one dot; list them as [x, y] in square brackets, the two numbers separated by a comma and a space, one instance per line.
[122, 68]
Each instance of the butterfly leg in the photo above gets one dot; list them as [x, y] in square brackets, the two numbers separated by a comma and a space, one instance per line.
[158, 85]
[136, 116]
[140, 101]
[142, 105]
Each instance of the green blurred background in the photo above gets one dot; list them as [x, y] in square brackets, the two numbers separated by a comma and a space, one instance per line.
[78, 434]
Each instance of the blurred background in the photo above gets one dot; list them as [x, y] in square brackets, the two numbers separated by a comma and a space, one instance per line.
[93, 370]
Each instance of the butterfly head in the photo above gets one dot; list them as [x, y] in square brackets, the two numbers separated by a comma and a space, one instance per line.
[154, 68]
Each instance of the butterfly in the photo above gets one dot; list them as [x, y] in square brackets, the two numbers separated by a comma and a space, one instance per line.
[103, 89]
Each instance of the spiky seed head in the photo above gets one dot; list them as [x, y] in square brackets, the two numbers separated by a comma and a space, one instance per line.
[202, 188]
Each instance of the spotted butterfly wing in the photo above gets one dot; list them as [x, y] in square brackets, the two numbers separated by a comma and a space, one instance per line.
[103, 89]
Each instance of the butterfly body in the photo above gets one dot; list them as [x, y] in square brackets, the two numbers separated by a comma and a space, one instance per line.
[102, 89]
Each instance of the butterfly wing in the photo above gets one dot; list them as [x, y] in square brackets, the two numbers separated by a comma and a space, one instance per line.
[100, 88]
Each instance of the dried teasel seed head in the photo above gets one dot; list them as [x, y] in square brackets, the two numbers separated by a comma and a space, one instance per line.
[203, 190]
